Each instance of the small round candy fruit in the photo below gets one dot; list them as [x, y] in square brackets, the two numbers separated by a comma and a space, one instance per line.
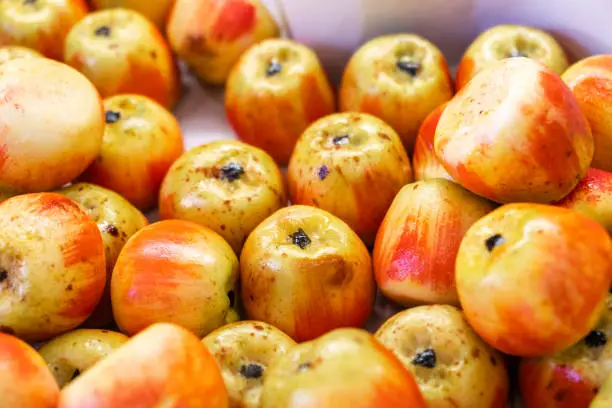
[424, 161]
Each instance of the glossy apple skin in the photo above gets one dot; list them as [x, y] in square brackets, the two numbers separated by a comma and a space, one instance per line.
[604, 396]
[515, 133]
[53, 259]
[138, 149]
[12, 52]
[417, 243]
[356, 181]
[164, 366]
[592, 197]
[130, 57]
[69, 115]
[69, 355]
[467, 372]
[239, 345]
[178, 272]
[499, 42]
[590, 80]
[25, 380]
[308, 291]
[424, 161]
[571, 378]
[156, 11]
[523, 256]
[117, 221]
[42, 25]
[211, 35]
[272, 111]
[198, 189]
[341, 369]
[373, 83]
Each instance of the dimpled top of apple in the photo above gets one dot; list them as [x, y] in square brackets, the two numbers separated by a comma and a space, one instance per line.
[13, 52]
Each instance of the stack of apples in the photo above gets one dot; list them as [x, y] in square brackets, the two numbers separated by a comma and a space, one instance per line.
[478, 208]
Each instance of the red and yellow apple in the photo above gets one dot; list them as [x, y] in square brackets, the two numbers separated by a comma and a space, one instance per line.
[533, 279]
[424, 161]
[157, 11]
[341, 369]
[417, 243]
[510, 41]
[399, 78]
[604, 395]
[52, 270]
[274, 92]
[590, 80]
[11, 52]
[178, 272]
[306, 272]
[244, 351]
[25, 380]
[352, 165]
[164, 366]
[121, 52]
[451, 364]
[141, 141]
[211, 35]
[227, 186]
[515, 133]
[39, 96]
[39, 24]
[72, 353]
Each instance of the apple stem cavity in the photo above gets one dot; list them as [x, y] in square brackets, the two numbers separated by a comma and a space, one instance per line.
[426, 358]
[251, 370]
[323, 172]
[515, 54]
[103, 31]
[494, 241]
[3, 275]
[300, 238]
[231, 172]
[75, 374]
[274, 68]
[111, 116]
[341, 140]
[304, 367]
[596, 338]
[412, 68]
[29, 2]
[232, 298]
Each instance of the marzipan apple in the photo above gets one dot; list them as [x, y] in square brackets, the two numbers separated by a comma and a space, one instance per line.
[275, 90]
[306, 272]
[532, 279]
[424, 161]
[51, 265]
[510, 41]
[417, 243]
[399, 78]
[164, 366]
[346, 368]
[70, 354]
[352, 165]
[12, 52]
[157, 11]
[244, 350]
[515, 133]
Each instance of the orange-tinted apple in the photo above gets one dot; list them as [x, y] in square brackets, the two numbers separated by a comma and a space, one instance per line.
[178, 272]
[25, 380]
[510, 41]
[398, 78]
[417, 243]
[11, 52]
[122, 52]
[39, 96]
[51, 265]
[515, 133]
[210, 35]
[451, 364]
[306, 272]
[244, 351]
[164, 366]
[342, 369]
[70, 354]
[352, 165]
[141, 141]
[532, 278]
[571, 378]
[157, 11]
[604, 395]
[591, 82]
[274, 92]
[424, 161]
[39, 24]
[227, 186]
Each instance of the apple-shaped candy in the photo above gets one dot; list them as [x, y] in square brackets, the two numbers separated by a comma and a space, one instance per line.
[274, 92]
[227, 186]
[244, 351]
[532, 279]
[515, 133]
[352, 165]
[417, 243]
[157, 11]
[510, 41]
[399, 78]
[425, 164]
[211, 35]
[306, 272]
[11, 52]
